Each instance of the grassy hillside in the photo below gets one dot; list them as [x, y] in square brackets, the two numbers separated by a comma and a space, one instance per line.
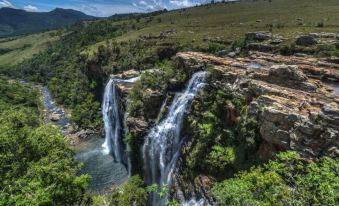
[232, 21]
[227, 21]
[14, 50]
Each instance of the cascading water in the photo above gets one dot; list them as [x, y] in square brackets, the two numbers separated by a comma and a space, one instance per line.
[162, 146]
[112, 120]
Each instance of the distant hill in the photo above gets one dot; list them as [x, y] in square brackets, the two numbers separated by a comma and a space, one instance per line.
[16, 21]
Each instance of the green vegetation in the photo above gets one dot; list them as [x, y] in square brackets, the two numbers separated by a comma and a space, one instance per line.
[222, 130]
[75, 64]
[285, 181]
[16, 50]
[98, 48]
[36, 164]
[133, 192]
[157, 80]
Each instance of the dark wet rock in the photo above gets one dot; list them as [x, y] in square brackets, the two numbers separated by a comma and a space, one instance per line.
[306, 40]
[137, 127]
[152, 103]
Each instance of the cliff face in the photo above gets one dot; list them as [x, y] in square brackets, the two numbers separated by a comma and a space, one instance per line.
[296, 107]
[294, 99]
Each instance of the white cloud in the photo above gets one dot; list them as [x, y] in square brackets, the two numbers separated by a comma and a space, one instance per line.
[182, 3]
[151, 5]
[5, 3]
[31, 8]
[103, 10]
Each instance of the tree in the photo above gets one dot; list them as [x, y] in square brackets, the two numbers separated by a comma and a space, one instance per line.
[286, 181]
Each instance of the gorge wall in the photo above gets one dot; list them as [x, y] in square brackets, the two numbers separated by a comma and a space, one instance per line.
[256, 106]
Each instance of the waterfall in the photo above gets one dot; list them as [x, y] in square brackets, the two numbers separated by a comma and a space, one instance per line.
[112, 121]
[161, 149]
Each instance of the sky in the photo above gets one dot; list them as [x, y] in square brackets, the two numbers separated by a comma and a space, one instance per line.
[100, 8]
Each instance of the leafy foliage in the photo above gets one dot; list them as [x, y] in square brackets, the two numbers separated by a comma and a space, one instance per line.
[36, 165]
[224, 132]
[132, 193]
[285, 181]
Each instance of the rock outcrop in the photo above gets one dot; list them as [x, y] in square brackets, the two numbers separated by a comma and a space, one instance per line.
[258, 36]
[295, 109]
[306, 40]
[294, 106]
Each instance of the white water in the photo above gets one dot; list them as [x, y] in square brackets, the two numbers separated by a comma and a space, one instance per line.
[162, 146]
[112, 121]
[194, 202]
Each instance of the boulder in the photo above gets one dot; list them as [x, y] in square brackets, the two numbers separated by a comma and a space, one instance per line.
[282, 73]
[258, 36]
[306, 40]
[55, 117]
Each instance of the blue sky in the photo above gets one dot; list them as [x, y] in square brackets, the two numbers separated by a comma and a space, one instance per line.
[100, 7]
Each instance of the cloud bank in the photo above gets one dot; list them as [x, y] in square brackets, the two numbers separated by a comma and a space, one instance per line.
[31, 8]
[5, 3]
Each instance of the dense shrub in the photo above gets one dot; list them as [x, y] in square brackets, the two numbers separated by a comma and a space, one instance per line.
[36, 164]
[285, 181]
[224, 137]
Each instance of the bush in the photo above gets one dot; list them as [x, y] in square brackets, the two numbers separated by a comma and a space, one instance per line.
[285, 181]
[132, 193]
[222, 133]
[320, 24]
[36, 164]
[220, 158]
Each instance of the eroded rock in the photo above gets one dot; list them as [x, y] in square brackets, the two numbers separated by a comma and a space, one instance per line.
[306, 40]
[258, 36]
[294, 108]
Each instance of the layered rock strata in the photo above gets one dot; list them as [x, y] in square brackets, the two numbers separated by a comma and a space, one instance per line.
[296, 108]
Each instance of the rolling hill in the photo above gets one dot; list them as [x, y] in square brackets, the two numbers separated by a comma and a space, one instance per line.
[17, 22]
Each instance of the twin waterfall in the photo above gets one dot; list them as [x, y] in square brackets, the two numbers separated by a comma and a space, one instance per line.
[162, 145]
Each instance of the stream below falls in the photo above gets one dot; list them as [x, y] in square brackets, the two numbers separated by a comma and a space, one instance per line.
[104, 171]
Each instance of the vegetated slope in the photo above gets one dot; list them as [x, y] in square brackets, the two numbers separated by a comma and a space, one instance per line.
[76, 78]
[48, 175]
[231, 21]
[14, 50]
[96, 49]
[17, 22]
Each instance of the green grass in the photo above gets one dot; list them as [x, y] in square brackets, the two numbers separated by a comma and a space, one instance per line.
[23, 47]
[232, 21]
[229, 21]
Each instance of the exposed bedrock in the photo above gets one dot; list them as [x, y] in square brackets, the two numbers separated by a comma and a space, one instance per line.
[290, 97]
[295, 109]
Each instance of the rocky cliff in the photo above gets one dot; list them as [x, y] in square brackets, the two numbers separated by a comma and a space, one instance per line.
[294, 99]
[296, 104]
